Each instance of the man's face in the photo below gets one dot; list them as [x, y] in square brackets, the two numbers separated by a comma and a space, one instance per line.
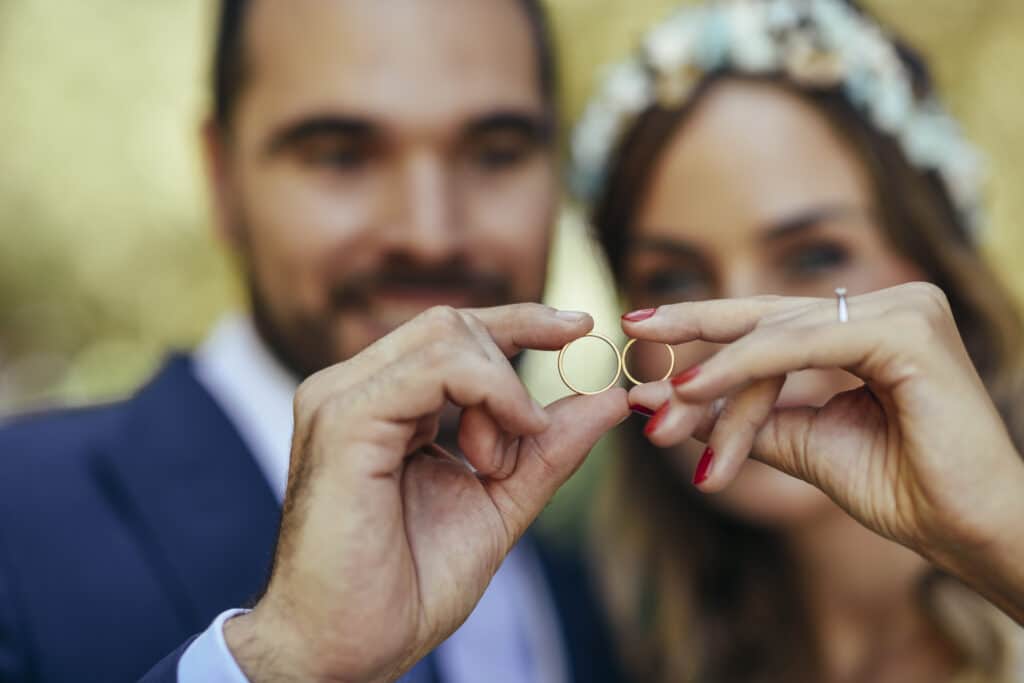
[384, 157]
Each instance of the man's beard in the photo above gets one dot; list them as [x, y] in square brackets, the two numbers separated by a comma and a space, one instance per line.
[304, 346]
[307, 344]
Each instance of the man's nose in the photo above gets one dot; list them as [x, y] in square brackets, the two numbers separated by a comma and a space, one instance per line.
[426, 226]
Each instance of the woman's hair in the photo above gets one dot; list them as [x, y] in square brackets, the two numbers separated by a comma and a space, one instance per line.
[698, 595]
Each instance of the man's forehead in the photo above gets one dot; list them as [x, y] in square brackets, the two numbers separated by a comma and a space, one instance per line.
[437, 57]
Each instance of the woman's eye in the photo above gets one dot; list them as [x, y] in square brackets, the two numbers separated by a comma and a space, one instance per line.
[815, 260]
[676, 284]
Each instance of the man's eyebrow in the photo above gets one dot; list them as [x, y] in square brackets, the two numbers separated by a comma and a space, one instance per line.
[809, 219]
[535, 126]
[294, 133]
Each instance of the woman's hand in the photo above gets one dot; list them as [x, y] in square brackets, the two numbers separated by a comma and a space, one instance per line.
[919, 453]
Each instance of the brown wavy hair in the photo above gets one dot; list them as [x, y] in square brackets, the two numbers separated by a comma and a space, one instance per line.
[698, 596]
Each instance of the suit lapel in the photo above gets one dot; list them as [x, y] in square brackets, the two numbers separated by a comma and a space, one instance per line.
[191, 492]
[587, 638]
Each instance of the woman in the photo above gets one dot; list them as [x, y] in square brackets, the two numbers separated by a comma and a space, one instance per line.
[790, 148]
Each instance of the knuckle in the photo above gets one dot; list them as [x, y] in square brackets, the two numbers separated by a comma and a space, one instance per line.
[767, 299]
[773, 320]
[930, 298]
[474, 324]
[525, 314]
[542, 311]
[444, 320]
[738, 421]
[785, 316]
[305, 400]
[323, 414]
[800, 458]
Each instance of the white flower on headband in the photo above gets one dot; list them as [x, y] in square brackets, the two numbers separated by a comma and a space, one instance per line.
[627, 87]
[752, 49]
[814, 43]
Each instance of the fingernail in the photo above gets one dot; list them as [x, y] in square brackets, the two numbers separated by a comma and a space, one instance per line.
[704, 467]
[640, 316]
[571, 316]
[657, 419]
[642, 410]
[688, 376]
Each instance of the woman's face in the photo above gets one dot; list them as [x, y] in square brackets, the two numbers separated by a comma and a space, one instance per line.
[757, 194]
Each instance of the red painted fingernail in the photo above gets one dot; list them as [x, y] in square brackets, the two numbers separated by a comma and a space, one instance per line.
[642, 410]
[704, 467]
[640, 316]
[657, 419]
[688, 376]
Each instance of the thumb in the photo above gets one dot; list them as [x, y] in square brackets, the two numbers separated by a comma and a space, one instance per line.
[547, 460]
[791, 441]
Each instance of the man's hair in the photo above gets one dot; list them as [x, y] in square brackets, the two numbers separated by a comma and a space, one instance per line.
[229, 57]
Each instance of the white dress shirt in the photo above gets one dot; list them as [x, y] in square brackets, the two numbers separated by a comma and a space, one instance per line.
[513, 635]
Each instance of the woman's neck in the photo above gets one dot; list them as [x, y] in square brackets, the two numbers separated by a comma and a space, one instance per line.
[861, 595]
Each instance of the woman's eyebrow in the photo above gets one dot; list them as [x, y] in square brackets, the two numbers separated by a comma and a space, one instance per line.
[808, 219]
[664, 245]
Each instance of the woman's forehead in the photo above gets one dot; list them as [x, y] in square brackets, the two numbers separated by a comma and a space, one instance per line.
[752, 153]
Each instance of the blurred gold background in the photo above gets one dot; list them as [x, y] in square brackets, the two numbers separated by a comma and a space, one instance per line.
[107, 256]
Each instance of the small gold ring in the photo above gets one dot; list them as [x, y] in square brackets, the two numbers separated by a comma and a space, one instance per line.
[565, 379]
[634, 380]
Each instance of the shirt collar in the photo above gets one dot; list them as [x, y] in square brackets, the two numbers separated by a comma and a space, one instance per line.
[255, 391]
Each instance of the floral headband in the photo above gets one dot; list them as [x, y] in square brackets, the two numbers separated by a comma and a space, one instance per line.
[814, 43]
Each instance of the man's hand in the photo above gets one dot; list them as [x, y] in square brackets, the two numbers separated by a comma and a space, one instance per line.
[387, 541]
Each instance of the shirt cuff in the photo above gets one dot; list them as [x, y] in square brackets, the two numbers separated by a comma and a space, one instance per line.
[208, 659]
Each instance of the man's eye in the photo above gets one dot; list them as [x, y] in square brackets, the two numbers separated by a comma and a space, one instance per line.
[500, 157]
[501, 152]
[334, 154]
[345, 159]
[815, 260]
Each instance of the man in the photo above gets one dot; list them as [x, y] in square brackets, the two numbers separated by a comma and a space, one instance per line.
[369, 161]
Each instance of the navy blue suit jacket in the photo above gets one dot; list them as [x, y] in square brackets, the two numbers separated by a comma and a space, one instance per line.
[125, 529]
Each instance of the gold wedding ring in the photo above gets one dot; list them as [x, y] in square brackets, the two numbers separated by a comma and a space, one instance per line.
[634, 380]
[621, 366]
[565, 378]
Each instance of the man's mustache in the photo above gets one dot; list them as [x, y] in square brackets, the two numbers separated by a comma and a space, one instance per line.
[484, 289]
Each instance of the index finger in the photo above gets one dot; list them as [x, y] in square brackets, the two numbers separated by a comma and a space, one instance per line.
[518, 327]
[513, 328]
[720, 321]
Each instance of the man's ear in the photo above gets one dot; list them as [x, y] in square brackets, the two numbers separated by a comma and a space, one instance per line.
[220, 181]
